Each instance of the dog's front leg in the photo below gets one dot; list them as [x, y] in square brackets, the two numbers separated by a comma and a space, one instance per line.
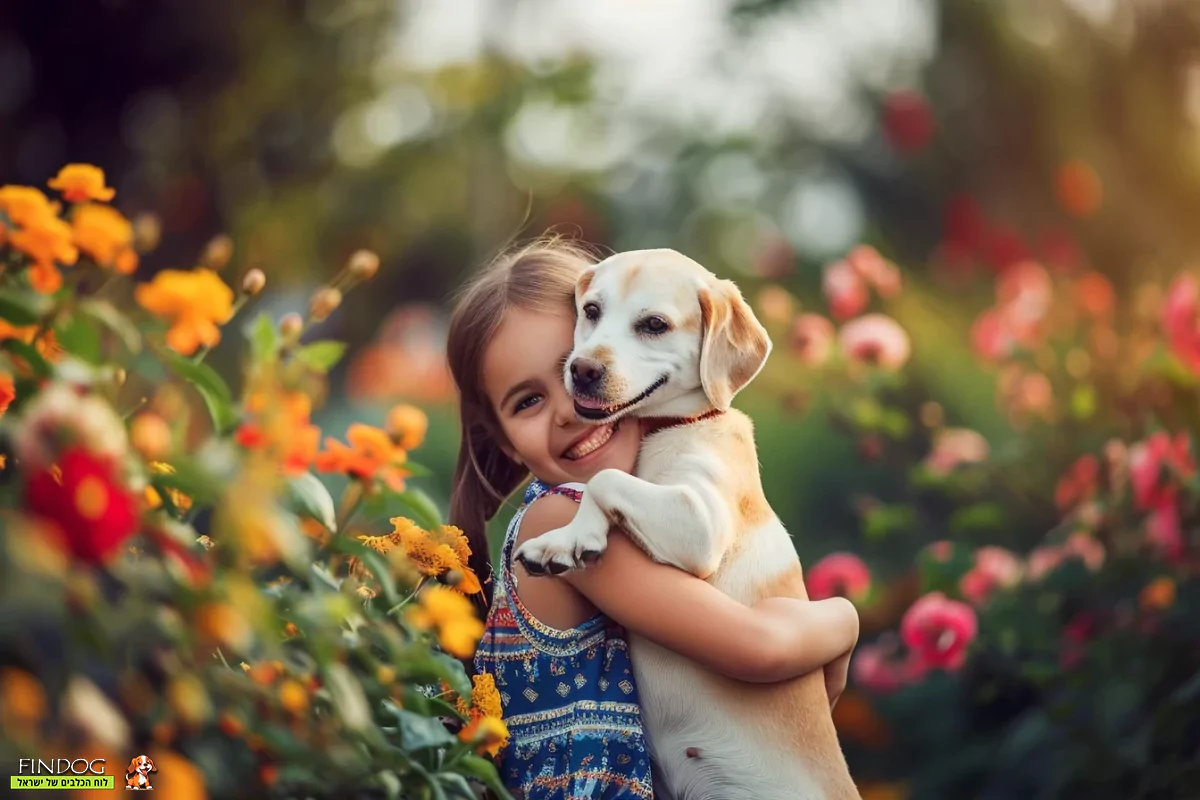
[671, 523]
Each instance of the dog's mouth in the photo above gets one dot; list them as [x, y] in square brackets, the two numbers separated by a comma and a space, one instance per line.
[591, 409]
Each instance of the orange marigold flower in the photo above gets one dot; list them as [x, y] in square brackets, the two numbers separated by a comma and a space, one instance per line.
[80, 182]
[407, 426]
[8, 392]
[452, 616]
[490, 734]
[370, 454]
[25, 205]
[283, 429]
[104, 234]
[434, 553]
[195, 302]
[181, 501]
[47, 346]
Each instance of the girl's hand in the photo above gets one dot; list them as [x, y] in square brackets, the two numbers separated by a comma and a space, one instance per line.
[837, 673]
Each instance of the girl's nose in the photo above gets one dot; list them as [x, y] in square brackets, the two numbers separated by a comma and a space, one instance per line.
[564, 410]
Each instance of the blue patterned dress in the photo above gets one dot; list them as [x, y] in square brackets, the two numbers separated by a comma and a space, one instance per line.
[569, 697]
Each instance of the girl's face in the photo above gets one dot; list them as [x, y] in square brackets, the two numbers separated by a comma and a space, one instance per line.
[523, 379]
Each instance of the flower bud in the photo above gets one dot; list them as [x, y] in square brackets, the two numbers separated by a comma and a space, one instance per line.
[323, 303]
[363, 265]
[150, 435]
[119, 376]
[147, 231]
[218, 253]
[254, 282]
[290, 327]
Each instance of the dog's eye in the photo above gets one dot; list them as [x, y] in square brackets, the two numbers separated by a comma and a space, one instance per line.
[654, 325]
[591, 311]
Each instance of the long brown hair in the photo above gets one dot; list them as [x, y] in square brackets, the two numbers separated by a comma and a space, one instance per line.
[539, 276]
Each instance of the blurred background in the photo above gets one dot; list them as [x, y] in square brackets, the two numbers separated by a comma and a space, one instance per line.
[765, 138]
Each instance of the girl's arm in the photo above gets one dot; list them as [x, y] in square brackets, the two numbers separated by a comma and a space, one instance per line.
[777, 639]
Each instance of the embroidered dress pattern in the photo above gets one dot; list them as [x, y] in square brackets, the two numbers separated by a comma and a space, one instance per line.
[569, 698]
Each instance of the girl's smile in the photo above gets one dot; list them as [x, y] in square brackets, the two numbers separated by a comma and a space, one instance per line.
[523, 379]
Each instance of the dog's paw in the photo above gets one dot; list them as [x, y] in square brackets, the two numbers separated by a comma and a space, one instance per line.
[560, 550]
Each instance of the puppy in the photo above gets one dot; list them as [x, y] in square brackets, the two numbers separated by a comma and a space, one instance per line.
[661, 338]
[137, 774]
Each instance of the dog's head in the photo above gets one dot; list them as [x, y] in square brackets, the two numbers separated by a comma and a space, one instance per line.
[655, 327]
[142, 765]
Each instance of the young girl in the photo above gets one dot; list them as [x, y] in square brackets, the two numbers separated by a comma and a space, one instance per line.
[557, 647]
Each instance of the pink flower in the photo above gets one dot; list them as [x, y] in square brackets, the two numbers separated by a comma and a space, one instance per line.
[1146, 462]
[845, 290]
[1086, 548]
[1078, 483]
[1042, 561]
[1163, 531]
[876, 270]
[994, 568]
[836, 574]
[955, 446]
[812, 339]
[878, 667]
[1180, 321]
[1023, 295]
[941, 551]
[940, 630]
[876, 339]
[990, 337]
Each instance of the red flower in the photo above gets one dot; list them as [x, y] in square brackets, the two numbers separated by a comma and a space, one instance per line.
[1163, 531]
[939, 630]
[907, 121]
[994, 568]
[836, 574]
[94, 513]
[990, 336]
[1078, 483]
[1003, 247]
[963, 224]
[879, 668]
[845, 290]
[1146, 462]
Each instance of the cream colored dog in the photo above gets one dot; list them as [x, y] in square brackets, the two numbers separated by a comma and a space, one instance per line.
[659, 336]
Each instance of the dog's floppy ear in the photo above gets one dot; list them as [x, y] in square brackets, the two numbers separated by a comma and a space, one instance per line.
[153, 768]
[132, 768]
[583, 282]
[734, 344]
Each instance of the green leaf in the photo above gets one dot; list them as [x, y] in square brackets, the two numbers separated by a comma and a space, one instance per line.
[484, 771]
[211, 387]
[895, 423]
[107, 315]
[307, 496]
[457, 785]
[29, 354]
[981, 516]
[17, 309]
[191, 480]
[79, 337]
[421, 506]
[321, 356]
[418, 732]
[883, 521]
[264, 342]
[420, 664]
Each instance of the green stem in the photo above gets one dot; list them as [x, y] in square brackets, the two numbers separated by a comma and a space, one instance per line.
[349, 509]
[203, 352]
[400, 606]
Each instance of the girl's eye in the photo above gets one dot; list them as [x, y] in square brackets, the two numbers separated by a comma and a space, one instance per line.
[526, 402]
[654, 325]
[591, 311]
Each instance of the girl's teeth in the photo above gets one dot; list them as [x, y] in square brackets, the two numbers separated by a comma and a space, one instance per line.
[590, 444]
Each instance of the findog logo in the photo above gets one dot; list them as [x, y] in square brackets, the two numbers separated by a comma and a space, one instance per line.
[137, 774]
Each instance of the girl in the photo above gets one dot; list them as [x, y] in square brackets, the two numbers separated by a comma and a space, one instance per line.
[557, 648]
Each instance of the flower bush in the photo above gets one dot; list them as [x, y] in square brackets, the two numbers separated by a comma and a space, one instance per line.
[174, 577]
[1046, 640]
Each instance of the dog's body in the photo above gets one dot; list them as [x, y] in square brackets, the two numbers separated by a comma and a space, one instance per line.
[137, 774]
[696, 502]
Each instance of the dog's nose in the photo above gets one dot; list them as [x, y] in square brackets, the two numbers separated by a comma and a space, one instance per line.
[586, 373]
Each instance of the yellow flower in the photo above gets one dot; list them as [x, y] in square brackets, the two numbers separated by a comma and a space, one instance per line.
[435, 553]
[46, 241]
[489, 734]
[485, 698]
[407, 426]
[24, 700]
[79, 182]
[182, 501]
[452, 616]
[195, 302]
[104, 234]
